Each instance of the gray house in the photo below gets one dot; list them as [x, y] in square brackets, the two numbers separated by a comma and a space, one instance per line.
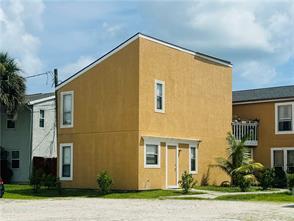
[32, 134]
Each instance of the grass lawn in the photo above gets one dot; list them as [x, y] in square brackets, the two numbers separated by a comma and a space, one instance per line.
[25, 192]
[226, 189]
[274, 197]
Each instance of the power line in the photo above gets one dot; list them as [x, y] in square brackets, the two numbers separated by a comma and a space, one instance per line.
[36, 75]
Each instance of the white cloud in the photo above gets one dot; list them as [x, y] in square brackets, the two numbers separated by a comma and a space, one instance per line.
[71, 68]
[18, 19]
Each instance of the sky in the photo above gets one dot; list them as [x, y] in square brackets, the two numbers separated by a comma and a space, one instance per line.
[256, 36]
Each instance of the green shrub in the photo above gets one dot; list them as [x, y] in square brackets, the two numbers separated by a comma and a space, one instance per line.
[290, 179]
[36, 179]
[49, 180]
[266, 179]
[187, 182]
[104, 182]
[58, 186]
[244, 181]
[280, 178]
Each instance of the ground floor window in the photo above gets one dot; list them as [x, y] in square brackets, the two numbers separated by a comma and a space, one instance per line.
[283, 158]
[152, 154]
[66, 161]
[193, 160]
[15, 159]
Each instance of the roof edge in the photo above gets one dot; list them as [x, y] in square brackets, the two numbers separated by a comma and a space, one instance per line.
[130, 40]
[41, 100]
[263, 101]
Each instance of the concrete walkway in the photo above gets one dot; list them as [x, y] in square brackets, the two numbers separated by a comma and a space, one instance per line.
[207, 194]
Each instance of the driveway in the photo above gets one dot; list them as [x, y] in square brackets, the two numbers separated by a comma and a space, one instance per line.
[125, 209]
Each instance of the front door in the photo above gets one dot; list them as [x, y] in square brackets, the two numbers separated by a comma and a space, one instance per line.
[171, 166]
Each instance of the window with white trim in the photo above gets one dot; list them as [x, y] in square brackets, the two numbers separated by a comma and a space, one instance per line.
[15, 159]
[193, 159]
[67, 109]
[66, 161]
[283, 158]
[152, 155]
[284, 118]
[159, 98]
[42, 118]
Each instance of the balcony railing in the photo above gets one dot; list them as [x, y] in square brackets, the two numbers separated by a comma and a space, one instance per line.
[246, 128]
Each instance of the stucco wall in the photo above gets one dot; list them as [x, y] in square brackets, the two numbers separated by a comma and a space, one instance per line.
[198, 105]
[105, 131]
[18, 139]
[265, 113]
[44, 139]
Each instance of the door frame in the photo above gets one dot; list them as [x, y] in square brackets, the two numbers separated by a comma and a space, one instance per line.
[166, 164]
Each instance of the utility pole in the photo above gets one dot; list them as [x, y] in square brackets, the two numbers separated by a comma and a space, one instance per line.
[56, 108]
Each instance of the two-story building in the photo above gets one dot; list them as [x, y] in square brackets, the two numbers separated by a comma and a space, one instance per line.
[31, 134]
[145, 112]
[267, 114]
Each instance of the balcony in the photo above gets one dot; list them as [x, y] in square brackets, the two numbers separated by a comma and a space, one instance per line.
[241, 129]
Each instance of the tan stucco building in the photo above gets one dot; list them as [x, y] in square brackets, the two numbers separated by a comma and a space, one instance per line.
[269, 113]
[145, 112]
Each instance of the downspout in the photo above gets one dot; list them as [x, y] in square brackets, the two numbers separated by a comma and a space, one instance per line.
[30, 108]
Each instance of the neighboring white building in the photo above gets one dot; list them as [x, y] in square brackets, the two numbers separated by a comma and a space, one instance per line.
[32, 134]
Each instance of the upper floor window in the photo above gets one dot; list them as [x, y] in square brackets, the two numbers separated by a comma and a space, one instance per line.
[159, 98]
[66, 115]
[42, 118]
[10, 123]
[284, 118]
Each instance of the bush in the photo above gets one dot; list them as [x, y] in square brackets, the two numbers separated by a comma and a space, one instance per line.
[187, 182]
[49, 180]
[280, 178]
[104, 182]
[290, 179]
[5, 170]
[244, 182]
[58, 186]
[266, 179]
[36, 179]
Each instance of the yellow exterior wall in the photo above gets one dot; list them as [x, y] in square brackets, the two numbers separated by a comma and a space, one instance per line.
[267, 139]
[105, 131]
[198, 105]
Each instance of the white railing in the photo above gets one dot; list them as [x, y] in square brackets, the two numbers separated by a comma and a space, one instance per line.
[246, 128]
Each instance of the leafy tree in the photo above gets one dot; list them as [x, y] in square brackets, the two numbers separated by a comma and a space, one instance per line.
[238, 163]
[12, 85]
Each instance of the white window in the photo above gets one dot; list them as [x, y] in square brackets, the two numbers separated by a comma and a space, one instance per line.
[15, 159]
[66, 162]
[283, 158]
[67, 104]
[193, 160]
[159, 96]
[284, 118]
[10, 124]
[42, 118]
[152, 156]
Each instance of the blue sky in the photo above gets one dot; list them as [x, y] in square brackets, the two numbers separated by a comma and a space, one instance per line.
[256, 36]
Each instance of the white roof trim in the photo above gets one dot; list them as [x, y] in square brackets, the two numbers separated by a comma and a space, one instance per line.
[263, 101]
[41, 100]
[135, 37]
[171, 139]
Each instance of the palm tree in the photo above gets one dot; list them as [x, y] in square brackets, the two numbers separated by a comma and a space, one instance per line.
[12, 85]
[239, 161]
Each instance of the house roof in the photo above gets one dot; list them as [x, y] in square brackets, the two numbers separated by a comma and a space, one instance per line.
[35, 98]
[263, 94]
[133, 38]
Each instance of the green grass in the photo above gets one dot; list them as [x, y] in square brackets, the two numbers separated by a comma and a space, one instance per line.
[274, 197]
[13, 191]
[226, 189]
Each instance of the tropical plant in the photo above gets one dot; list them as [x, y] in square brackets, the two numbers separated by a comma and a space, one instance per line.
[238, 162]
[104, 181]
[12, 86]
[187, 182]
[266, 178]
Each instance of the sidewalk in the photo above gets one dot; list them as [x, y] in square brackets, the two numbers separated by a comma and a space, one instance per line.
[207, 194]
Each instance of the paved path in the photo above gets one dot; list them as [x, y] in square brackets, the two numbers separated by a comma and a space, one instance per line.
[135, 210]
[207, 194]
